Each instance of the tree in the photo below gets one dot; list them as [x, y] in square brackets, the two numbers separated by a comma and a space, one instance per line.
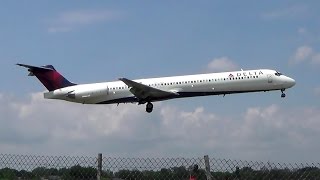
[7, 173]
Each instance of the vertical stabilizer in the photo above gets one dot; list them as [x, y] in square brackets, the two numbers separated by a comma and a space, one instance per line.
[48, 76]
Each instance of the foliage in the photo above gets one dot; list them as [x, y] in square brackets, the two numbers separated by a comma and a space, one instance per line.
[78, 172]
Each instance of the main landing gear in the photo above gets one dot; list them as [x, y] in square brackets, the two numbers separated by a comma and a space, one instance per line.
[283, 95]
[149, 107]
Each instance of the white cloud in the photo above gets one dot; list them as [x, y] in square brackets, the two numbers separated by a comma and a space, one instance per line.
[317, 91]
[315, 58]
[40, 126]
[302, 54]
[288, 12]
[302, 30]
[222, 64]
[305, 54]
[68, 21]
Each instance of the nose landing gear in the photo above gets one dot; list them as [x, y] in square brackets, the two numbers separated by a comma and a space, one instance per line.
[283, 95]
[149, 107]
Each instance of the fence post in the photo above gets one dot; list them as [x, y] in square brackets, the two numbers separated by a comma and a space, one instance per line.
[99, 170]
[207, 169]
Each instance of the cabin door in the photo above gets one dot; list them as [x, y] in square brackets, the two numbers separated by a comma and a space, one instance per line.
[269, 78]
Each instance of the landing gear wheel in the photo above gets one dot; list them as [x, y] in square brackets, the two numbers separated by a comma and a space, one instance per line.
[149, 107]
[283, 95]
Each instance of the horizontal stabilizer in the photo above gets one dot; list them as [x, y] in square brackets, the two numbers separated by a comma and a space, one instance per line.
[43, 68]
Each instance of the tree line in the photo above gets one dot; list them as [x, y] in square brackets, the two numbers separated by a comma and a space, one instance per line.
[86, 173]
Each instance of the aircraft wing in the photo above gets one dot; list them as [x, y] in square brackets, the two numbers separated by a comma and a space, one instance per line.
[145, 92]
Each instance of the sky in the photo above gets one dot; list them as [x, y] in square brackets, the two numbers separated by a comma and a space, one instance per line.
[96, 41]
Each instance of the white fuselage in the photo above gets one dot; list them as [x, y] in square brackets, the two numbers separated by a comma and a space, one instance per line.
[181, 86]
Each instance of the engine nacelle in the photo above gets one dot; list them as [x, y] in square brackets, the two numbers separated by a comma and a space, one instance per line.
[88, 93]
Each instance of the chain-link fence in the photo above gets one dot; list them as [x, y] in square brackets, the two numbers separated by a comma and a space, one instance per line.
[109, 168]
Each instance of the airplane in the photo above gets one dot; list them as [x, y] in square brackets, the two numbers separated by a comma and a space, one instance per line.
[147, 91]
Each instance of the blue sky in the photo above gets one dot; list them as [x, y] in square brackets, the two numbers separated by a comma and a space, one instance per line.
[102, 41]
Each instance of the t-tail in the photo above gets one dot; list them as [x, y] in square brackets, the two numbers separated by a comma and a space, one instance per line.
[48, 76]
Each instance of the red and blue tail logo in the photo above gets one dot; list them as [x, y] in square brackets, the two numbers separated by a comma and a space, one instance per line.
[48, 76]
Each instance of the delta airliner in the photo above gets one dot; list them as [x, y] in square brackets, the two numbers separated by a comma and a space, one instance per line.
[146, 91]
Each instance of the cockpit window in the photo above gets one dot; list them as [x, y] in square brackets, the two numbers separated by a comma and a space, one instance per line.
[278, 73]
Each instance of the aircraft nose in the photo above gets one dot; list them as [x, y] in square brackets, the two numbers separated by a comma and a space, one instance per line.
[291, 82]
